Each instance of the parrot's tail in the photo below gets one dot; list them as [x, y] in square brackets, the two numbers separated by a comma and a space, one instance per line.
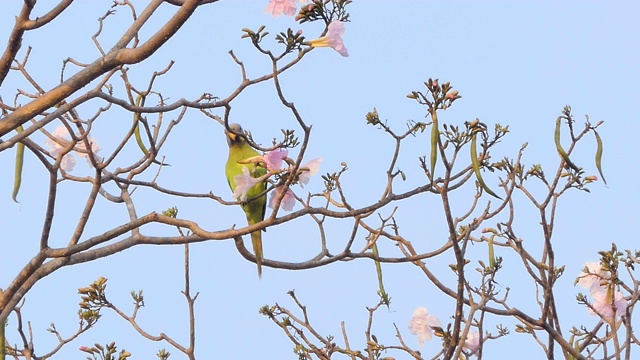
[256, 241]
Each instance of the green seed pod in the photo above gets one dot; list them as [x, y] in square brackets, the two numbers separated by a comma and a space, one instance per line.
[476, 167]
[17, 177]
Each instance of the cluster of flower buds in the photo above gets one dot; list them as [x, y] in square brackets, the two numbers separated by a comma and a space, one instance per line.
[440, 96]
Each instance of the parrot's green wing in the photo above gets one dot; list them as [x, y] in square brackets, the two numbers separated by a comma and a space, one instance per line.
[255, 209]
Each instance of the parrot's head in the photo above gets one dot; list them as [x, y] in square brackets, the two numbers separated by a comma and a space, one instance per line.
[233, 139]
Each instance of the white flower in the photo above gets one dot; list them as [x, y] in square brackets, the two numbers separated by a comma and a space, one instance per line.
[422, 324]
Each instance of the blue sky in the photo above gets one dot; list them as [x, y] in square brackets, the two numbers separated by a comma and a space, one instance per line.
[516, 64]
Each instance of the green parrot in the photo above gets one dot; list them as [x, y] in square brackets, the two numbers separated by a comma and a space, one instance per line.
[240, 150]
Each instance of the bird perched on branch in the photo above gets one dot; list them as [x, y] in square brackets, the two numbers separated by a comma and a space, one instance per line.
[254, 207]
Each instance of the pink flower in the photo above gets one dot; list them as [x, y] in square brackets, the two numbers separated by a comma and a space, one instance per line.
[287, 201]
[472, 341]
[333, 39]
[273, 159]
[313, 166]
[593, 277]
[602, 304]
[55, 147]
[278, 7]
[422, 324]
[244, 182]
[68, 162]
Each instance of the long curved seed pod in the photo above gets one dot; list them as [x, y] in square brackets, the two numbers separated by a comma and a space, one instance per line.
[434, 145]
[599, 156]
[476, 167]
[139, 137]
[383, 294]
[17, 177]
[139, 140]
[563, 154]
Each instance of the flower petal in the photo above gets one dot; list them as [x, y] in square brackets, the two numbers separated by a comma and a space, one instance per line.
[593, 277]
[333, 39]
[472, 341]
[244, 182]
[60, 133]
[94, 147]
[602, 304]
[288, 201]
[279, 7]
[313, 166]
[273, 159]
[68, 162]
[422, 324]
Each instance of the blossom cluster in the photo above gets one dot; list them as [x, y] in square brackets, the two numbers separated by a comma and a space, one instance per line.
[273, 161]
[607, 303]
[423, 324]
[335, 29]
